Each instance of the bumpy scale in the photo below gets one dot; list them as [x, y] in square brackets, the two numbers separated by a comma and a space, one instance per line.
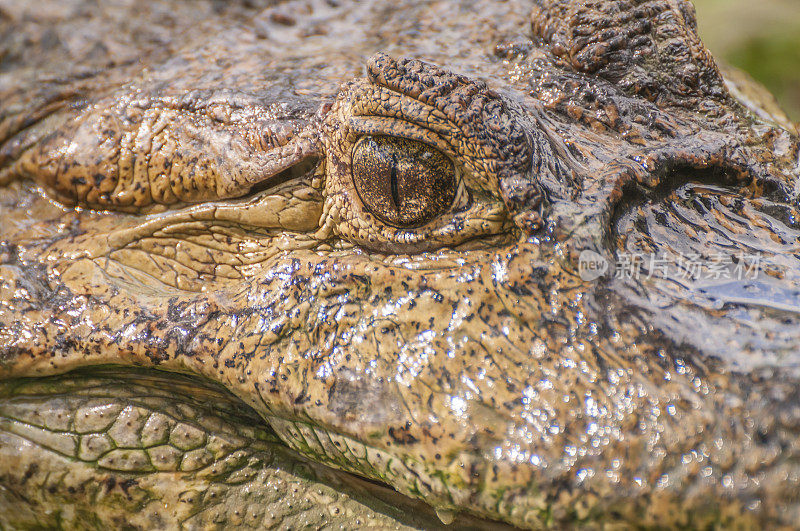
[242, 270]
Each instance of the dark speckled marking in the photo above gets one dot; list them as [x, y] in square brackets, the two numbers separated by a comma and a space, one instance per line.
[449, 350]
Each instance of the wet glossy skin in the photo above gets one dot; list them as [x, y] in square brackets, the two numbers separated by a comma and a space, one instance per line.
[185, 198]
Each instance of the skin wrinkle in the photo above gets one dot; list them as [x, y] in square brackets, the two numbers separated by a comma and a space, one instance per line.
[240, 442]
[137, 172]
[545, 397]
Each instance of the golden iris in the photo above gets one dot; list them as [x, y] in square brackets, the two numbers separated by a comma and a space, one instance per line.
[402, 182]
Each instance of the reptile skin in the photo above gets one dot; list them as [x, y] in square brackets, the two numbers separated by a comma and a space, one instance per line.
[316, 264]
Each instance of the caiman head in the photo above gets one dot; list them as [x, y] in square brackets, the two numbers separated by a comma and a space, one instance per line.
[392, 240]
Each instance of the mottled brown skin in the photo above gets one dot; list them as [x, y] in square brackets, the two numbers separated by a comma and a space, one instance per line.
[179, 196]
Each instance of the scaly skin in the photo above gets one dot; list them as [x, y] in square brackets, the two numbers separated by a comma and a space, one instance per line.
[189, 222]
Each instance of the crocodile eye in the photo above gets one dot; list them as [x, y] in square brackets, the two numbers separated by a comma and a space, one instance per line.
[402, 182]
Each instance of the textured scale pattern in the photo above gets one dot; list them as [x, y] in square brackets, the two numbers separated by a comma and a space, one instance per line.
[203, 325]
[648, 47]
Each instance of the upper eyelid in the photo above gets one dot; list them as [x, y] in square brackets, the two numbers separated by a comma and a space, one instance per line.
[388, 126]
[403, 119]
[410, 111]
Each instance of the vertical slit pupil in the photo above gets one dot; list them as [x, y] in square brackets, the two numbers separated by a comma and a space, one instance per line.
[393, 180]
[403, 183]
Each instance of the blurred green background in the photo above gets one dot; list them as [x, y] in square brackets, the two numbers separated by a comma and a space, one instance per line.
[761, 37]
